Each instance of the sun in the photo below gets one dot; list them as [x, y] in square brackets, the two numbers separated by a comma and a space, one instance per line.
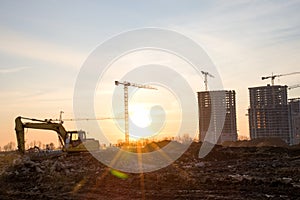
[139, 115]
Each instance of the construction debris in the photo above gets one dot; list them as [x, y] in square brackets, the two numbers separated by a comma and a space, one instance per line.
[226, 173]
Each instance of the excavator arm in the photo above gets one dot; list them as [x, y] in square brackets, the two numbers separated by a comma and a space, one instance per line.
[20, 134]
[46, 125]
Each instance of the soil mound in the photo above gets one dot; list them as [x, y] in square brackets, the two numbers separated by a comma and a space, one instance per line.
[259, 142]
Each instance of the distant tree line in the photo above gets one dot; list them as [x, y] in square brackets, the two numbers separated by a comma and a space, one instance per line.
[185, 139]
[11, 146]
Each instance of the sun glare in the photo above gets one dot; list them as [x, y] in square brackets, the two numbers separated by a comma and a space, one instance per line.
[140, 115]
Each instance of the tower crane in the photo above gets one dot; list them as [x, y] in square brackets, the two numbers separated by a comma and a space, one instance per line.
[126, 84]
[61, 120]
[272, 77]
[205, 78]
[293, 86]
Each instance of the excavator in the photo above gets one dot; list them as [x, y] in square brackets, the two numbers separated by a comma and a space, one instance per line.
[71, 141]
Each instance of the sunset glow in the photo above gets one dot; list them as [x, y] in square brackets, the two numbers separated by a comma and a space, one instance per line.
[43, 50]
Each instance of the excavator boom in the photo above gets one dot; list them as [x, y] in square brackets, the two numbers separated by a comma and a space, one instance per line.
[20, 134]
[78, 145]
[40, 124]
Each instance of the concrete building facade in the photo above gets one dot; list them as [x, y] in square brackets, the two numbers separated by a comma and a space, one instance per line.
[295, 119]
[269, 114]
[216, 107]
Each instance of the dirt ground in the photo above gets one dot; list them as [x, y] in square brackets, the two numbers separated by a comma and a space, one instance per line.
[226, 173]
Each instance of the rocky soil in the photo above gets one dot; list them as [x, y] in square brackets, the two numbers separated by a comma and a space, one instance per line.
[226, 173]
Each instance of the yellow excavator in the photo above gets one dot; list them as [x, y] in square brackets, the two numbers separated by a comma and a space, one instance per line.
[71, 141]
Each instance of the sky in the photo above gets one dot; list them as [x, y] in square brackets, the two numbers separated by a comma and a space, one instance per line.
[43, 46]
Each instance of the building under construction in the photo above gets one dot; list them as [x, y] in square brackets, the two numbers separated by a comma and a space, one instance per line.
[295, 119]
[269, 114]
[213, 106]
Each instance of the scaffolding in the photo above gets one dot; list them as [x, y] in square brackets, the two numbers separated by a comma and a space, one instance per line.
[211, 105]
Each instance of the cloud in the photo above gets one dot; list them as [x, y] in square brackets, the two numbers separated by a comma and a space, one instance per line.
[22, 45]
[246, 40]
[13, 70]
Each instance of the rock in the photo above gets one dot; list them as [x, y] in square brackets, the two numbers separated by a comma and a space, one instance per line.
[53, 167]
[296, 185]
[29, 163]
[269, 196]
[203, 179]
[187, 166]
[237, 177]
[200, 164]
[67, 171]
[38, 169]
[286, 180]
[17, 161]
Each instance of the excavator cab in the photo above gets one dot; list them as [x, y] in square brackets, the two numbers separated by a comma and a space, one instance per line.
[76, 141]
[74, 138]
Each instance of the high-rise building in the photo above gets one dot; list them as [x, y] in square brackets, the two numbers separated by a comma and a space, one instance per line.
[295, 119]
[269, 114]
[217, 116]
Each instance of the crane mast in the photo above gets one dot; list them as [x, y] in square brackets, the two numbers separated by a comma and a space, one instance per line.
[126, 84]
[205, 78]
